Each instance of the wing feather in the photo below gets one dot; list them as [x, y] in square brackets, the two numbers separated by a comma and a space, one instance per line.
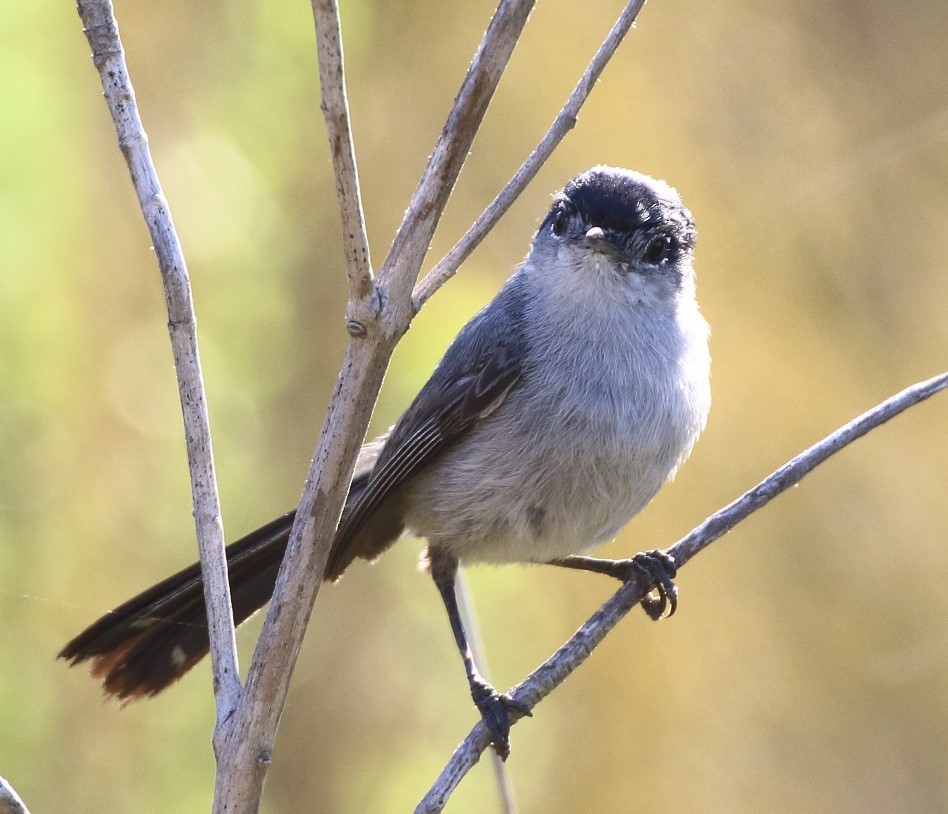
[480, 368]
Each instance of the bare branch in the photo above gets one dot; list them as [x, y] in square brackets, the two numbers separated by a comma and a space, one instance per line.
[101, 30]
[561, 664]
[335, 107]
[792, 473]
[10, 802]
[251, 733]
[426, 207]
[562, 124]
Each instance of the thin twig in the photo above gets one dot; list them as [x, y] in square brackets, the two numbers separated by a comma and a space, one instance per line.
[562, 124]
[335, 107]
[101, 30]
[414, 235]
[561, 664]
[792, 472]
[10, 802]
[505, 789]
[251, 733]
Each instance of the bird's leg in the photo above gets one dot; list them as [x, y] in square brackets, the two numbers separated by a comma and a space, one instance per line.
[495, 707]
[657, 567]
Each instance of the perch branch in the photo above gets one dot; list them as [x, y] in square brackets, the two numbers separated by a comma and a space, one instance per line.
[562, 124]
[101, 30]
[561, 664]
[251, 733]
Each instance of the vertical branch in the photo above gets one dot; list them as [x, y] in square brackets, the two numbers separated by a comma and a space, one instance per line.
[245, 753]
[335, 107]
[562, 124]
[101, 30]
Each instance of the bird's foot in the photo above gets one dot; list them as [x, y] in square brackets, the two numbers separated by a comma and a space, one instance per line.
[659, 569]
[496, 709]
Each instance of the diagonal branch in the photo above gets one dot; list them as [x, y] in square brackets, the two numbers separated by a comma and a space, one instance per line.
[421, 218]
[562, 124]
[10, 802]
[542, 681]
[101, 30]
[791, 473]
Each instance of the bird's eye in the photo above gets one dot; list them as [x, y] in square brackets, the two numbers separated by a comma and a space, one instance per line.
[658, 250]
[558, 224]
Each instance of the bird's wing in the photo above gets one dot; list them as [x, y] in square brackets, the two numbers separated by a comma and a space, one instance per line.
[483, 364]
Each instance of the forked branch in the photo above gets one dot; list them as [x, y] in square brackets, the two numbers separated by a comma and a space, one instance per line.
[401, 267]
[243, 762]
[562, 124]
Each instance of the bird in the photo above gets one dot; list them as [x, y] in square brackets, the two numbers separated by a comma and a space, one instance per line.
[553, 418]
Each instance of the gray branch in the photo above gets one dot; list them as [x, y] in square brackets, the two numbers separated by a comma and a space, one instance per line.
[382, 317]
[540, 683]
[562, 124]
[414, 235]
[379, 315]
[335, 107]
[10, 802]
[101, 30]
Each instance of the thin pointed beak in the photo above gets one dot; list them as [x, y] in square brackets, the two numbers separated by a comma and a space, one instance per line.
[595, 237]
[596, 240]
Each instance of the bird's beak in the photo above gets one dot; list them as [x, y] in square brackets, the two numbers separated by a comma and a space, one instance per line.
[596, 240]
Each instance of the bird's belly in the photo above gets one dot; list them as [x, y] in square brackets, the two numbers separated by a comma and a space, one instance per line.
[514, 495]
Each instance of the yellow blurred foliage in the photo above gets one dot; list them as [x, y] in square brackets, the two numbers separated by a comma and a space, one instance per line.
[807, 669]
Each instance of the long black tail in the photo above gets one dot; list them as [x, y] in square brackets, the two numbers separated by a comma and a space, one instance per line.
[149, 642]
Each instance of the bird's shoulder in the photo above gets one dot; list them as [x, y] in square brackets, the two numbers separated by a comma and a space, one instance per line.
[478, 369]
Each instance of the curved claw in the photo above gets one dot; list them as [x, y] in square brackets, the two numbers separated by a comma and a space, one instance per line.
[659, 568]
[495, 709]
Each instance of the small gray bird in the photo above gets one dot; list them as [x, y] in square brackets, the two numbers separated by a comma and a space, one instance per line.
[554, 417]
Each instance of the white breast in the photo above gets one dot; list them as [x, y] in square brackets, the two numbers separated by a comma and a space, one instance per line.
[601, 419]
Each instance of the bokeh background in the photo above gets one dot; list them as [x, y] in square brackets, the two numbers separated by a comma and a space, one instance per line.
[807, 669]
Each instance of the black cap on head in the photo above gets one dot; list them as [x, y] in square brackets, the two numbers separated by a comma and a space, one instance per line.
[643, 222]
[621, 200]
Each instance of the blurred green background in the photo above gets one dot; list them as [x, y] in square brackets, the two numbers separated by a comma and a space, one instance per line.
[807, 669]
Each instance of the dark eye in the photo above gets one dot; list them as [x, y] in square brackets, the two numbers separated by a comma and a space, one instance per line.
[658, 250]
[558, 224]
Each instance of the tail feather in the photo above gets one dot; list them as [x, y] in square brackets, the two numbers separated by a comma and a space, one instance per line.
[147, 643]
